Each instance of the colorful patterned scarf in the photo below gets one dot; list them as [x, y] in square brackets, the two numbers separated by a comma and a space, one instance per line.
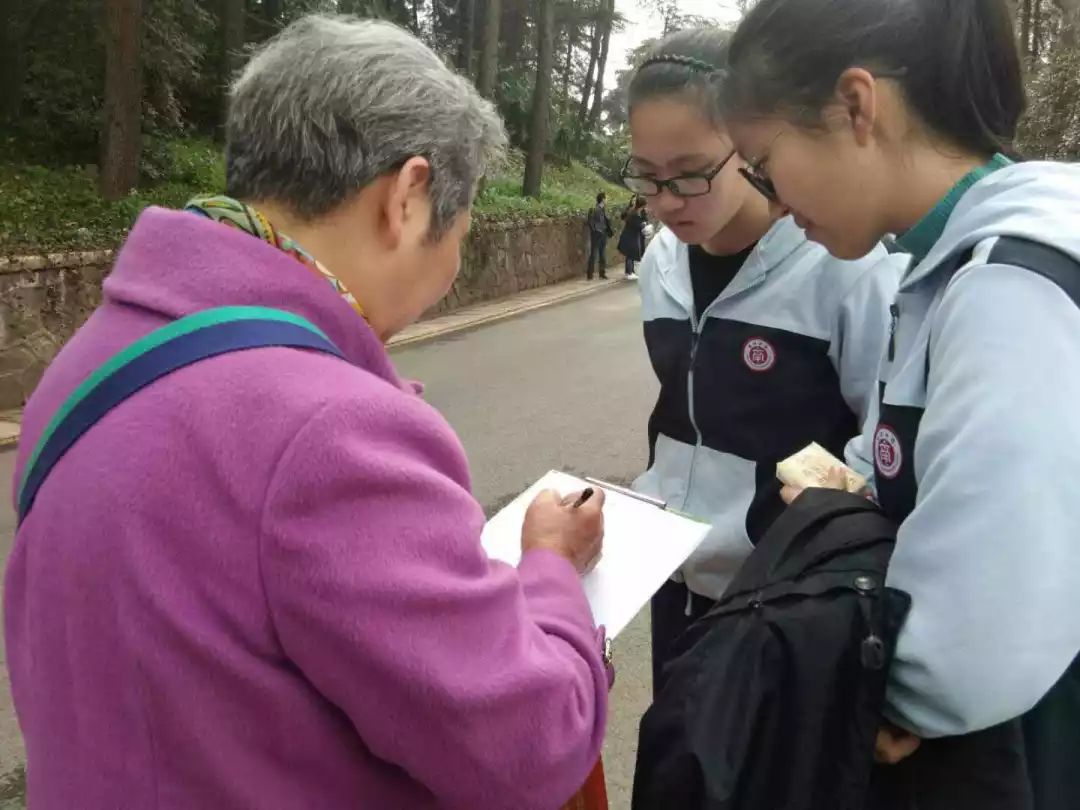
[236, 214]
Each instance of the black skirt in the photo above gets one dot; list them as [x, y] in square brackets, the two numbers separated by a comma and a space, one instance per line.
[632, 239]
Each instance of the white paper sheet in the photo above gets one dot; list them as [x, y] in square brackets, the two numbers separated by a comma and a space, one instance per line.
[643, 546]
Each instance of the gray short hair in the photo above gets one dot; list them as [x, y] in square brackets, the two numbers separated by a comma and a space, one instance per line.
[332, 103]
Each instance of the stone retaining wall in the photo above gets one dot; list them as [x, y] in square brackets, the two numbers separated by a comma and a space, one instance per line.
[44, 299]
[503, 258]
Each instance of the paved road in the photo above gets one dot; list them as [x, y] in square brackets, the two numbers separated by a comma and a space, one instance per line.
[567, 387]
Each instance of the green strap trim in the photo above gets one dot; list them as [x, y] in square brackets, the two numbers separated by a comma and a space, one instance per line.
[178, 328]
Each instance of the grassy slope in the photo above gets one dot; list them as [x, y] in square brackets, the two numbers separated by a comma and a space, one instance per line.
[44, 209]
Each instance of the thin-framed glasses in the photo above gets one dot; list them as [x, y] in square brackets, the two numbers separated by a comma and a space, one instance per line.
[754, 175]
[685, 185]
[753, 171]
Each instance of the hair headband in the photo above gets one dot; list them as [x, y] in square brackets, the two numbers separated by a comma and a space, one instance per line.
[679, 59]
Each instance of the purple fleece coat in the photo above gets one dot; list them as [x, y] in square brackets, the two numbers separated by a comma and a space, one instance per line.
[259, 583]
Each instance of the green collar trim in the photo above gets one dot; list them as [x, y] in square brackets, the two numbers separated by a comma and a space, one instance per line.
[924, 235]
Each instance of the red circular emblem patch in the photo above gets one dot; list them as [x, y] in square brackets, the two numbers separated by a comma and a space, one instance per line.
[758, 354]
[888, 457]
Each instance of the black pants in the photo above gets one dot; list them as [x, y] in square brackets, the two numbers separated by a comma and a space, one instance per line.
[597, 254]
[1052, 743]
[1028, 764]
[630, 267]
[982, 771]
[670, 620]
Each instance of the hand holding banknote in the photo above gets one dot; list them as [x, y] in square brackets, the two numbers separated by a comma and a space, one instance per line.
[814, 466]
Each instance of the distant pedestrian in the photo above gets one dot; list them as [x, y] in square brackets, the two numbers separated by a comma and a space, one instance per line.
[632, 240]
[600, 231]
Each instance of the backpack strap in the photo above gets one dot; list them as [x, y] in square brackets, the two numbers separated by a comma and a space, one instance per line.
[183, 342]
[1044, 260]
[796, 537]
[1014, 251]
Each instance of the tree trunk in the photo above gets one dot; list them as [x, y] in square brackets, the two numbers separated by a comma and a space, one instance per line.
[598, 92]
[121, 140]
[233, 14]
[1025, 28]
[541, 102]
[1036, 29]
[466, 48]
[594, 56]
[231, 18]
[12, 71]
[489, 54]
[16, 17]
[416, 17]
[515, 16]
[1070, 23]
[568, 65]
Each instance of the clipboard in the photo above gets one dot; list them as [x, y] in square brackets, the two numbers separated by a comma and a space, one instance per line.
[644, 544]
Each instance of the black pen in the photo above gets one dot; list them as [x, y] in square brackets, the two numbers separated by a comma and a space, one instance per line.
[588, 493]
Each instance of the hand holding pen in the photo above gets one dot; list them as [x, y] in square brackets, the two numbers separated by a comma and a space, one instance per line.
[572, 527]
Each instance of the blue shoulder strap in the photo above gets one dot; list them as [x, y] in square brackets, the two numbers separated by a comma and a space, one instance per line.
[205, 334]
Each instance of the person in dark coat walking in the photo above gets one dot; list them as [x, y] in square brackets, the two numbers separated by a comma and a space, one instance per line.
[632, 240]
[600, 231]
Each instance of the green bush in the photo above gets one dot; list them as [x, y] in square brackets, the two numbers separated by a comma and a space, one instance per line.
[44, 208]
[565, 190]
[60, 208]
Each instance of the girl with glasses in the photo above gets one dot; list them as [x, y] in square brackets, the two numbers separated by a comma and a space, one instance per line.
[762, 343]
[868, 117]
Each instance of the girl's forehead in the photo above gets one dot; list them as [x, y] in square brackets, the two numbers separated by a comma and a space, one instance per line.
[663, 133]
[672, 114]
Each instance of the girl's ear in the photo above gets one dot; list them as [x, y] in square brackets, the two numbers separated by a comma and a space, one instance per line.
[857, 94]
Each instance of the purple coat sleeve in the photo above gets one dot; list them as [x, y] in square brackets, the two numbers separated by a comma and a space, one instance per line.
[482, 682]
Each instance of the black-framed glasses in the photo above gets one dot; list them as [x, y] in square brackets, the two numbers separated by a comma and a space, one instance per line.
[755, 177]
[696, 184]
[753, 174]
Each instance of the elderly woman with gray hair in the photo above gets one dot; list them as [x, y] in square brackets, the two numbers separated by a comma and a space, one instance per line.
[248, 572]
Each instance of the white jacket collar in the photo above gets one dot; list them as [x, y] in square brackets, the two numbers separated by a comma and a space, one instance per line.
[673, 261]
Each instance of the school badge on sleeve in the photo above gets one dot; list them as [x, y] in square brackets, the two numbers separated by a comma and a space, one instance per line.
[888, 457]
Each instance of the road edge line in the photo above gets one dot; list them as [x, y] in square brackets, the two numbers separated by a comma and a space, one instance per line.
[502, 315]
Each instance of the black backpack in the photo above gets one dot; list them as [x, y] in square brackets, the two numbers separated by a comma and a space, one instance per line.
[775, 698]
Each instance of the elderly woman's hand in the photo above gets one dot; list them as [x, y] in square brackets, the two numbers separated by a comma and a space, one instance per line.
[553, 523]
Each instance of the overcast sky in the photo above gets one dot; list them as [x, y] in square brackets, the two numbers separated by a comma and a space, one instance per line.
[642, 24]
